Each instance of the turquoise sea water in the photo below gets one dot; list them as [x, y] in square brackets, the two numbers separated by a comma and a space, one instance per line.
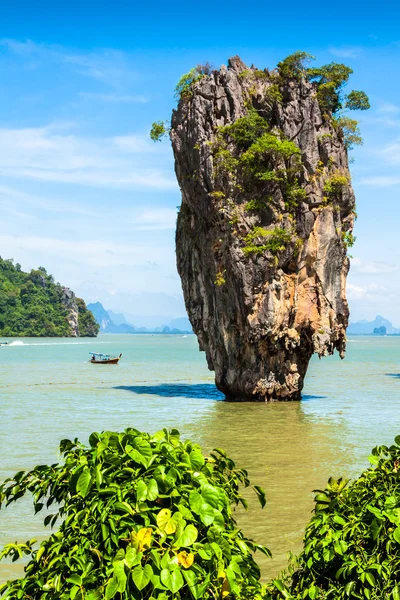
[48, 391]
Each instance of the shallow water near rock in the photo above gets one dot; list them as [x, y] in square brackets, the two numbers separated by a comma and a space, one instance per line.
[49, 391]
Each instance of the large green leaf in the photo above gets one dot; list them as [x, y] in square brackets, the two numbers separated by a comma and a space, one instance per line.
[120, 575]
[141, 491]
[188, 536]
[152, 490]
[141, 576]
[111, 589]
[207, 514]
[83, 484]
[211, 495]
[172, 580]
[196, 459]
[195, 502]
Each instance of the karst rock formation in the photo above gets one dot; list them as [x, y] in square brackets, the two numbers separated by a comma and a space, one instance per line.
[267, 204]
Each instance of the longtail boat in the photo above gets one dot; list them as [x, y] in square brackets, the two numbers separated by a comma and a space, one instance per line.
[104, 359]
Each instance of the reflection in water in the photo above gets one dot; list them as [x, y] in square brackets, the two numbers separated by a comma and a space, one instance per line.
[284, 451]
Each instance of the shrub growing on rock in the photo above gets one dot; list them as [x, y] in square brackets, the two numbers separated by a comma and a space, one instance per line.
[142, 517]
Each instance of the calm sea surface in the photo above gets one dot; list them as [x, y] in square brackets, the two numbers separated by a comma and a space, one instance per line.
[48, 391]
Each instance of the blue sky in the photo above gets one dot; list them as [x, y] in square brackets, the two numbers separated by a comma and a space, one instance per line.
[85, 193]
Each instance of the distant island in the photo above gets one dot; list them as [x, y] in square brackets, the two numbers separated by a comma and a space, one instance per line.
[111, 322]
[379, 326]
[34, 305]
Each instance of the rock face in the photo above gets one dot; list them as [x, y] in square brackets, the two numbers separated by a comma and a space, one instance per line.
[80, 320]
[262, 230]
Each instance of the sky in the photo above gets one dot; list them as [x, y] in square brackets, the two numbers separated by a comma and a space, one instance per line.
[86, 194]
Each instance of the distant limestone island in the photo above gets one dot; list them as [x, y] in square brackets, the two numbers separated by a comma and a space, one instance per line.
[379, 326]
[111, 322]
[34, 305]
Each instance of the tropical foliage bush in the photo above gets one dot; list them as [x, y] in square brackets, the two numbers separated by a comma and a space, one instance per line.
[352, 543]
[31, 304]
[141, 517]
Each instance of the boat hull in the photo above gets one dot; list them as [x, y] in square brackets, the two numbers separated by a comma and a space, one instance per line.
[108, 361]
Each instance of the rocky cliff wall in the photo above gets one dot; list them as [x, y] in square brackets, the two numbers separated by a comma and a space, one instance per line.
[267, 209]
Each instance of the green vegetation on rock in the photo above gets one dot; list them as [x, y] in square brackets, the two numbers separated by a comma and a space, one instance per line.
[33, 304]
[261, 240]
[159, 129]
[183, 88]
[141, 517]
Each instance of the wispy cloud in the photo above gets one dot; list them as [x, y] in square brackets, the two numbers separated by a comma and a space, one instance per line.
[388, 108]
[380, 180]
[59, 155]
[371, 267]
[97, 253]
[372, 291]
[346, 51]
[108, 66]
[111, 67]
[152, 220]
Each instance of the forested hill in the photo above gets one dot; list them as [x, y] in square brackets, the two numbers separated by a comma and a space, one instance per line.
[33, 304]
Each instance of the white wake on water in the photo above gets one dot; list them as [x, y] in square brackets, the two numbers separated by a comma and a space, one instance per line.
[20, 343]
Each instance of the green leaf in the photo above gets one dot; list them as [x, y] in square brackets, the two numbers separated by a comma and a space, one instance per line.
[73, 591]
[83, 484]
[195, 502]
[396, 534]
[340, 547]
[397, 440]
[191, 580]
[261, 495]
[74, 578]
[120, 575]
[396, 591]
[211, 495]
[168, 522]
[188, 536]
[370, 578]
[141, 491]
[131, 556]
[196, 459]
[97, 595]
[141, 576]
[152, 490]
[172, 580]
[111, 589]
[206, 514]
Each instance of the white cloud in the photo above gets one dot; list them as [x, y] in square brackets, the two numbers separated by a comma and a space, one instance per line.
[164, 218]
[54, 154]
[24, 49]
[98, 253]
[11, 197]
[389, 108]
[346, 51]
[380, 180]
[108, 66]
[371, 291]
[372, 267]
